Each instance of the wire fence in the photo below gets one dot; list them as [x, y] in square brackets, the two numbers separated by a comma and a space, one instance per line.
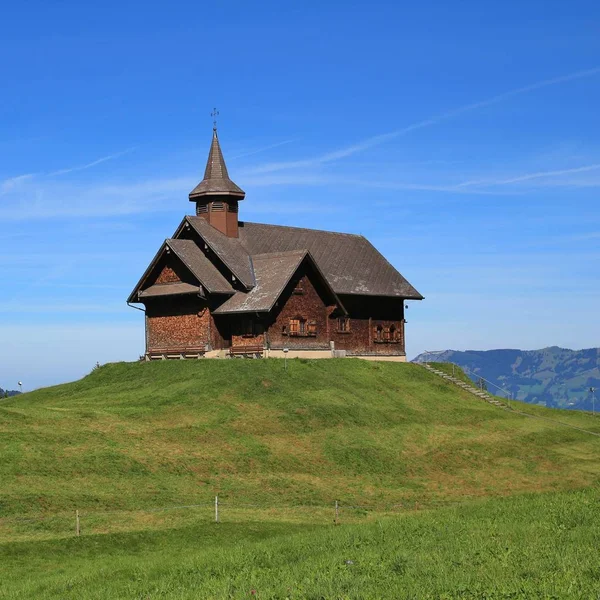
[475, 377]
[78, 523]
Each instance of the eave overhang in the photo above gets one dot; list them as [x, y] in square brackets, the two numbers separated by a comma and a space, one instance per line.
[167, 248]
[245, 299]
[244, 280]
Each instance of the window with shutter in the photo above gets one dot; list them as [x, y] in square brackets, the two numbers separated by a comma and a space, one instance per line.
[302, 323]
[343, 325]
[294, 328]
[301, 328]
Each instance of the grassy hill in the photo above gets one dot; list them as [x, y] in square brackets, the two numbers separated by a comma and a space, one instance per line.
[279, 447]
[139, 436]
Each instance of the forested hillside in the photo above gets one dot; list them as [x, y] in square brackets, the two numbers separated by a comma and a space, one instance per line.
[553, 377]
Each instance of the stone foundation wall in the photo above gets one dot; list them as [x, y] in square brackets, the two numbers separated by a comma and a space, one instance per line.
[299, 354]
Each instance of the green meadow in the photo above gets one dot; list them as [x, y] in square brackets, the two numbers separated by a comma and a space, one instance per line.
[442, 495]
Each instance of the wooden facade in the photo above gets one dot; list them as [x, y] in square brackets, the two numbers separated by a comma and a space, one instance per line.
[223, 287]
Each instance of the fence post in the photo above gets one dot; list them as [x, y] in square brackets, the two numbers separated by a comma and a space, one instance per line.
[77, 527]
[216, 509]
[337, 513]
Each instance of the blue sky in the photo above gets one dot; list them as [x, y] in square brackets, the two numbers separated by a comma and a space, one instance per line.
[461, 138]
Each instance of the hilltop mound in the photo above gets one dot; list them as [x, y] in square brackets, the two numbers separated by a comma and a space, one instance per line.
[140, 435]
[132, 439]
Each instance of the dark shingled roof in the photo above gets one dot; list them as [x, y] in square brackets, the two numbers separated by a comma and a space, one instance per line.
[229, 250]
[272, 273]
[264, 257]
[169, 289]
[350, 263]
[216, 180]
[195, 260]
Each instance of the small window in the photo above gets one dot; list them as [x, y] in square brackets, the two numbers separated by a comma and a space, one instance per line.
[300, 327]
[232, 207]
[217, 207]
[295, 325]
[387, 335]
[343, 325]
[201, 209]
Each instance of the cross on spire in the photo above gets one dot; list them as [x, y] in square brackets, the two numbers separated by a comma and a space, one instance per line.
[214, 114]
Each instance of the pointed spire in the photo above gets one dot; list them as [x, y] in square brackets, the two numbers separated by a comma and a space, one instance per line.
[216, 180]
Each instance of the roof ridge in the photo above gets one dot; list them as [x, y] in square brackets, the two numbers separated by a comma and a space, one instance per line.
[197, 223]
[282, 253]
[358, 235]
[185, 259]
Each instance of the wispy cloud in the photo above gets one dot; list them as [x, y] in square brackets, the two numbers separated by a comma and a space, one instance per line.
[269, 180]
[8, 185]
[434, 120]
[48, 198]
[13, 183]
[91, 164]
[263, 149]
[530, 176]
[324, 158]
[20, 307]
[36, 186]
[46, 195]
[583, 237]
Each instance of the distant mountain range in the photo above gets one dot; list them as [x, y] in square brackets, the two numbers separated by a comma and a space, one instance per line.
[555, 377]
[10, 393]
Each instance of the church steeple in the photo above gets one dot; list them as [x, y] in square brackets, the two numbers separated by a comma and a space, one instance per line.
[216, 196]
[216, 179]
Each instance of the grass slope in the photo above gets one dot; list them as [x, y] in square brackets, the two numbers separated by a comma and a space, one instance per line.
[146, 435]
[526, 547]
[131, 438]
